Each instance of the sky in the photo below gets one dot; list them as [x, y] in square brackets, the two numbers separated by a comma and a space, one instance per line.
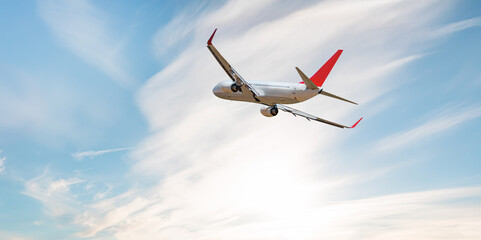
[109, 128]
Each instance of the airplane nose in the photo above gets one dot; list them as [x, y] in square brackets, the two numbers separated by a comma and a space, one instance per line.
[216, 90]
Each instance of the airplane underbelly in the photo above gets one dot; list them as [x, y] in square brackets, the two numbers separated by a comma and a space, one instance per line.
[279, 96]
[267, 96]
[237, 97]
[280, 100]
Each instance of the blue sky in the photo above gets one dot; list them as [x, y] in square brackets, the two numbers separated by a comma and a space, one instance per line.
[109, 128]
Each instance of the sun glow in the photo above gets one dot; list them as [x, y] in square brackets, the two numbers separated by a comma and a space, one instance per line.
[276, 186]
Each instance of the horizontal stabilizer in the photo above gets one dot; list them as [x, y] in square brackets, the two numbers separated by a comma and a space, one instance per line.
[309, 84]
[334, 96]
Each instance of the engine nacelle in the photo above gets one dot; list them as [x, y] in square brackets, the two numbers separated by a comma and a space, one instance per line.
[269, 111]
[229, 87]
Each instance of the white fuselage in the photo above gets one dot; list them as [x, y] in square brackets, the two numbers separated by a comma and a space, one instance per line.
[270, 93]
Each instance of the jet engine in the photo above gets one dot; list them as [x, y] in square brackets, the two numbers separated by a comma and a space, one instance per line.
[229, 87]
[269, 111]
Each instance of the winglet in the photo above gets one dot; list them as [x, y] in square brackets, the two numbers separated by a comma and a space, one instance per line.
[210, 39]
[320, 76]
[355, 124]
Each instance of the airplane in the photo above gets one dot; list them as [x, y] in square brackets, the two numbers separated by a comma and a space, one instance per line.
[273, 95]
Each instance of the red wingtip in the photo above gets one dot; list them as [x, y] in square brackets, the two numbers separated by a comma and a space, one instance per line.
[353, 126]
[210, 39]
[320, 76]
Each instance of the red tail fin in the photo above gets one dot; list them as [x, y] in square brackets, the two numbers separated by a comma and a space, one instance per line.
[320, 76]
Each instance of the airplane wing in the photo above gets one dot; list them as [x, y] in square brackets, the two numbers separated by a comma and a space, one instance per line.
[236, 77]
[309, 117]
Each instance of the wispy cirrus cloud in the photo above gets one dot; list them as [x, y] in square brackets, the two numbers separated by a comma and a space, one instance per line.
[54, 193]
[2, 162]
[83, 29]
[13, 236]
[66, 197]
[79, 156]
[396, 216]
[229, 178]
[457, 26]
[219, 170]
[442, 121]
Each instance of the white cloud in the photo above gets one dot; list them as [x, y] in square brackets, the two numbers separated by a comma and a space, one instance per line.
[65, 197]
[34, 108]
[54, 193]
[101, 195]
[13, 236]
[224, 170]
[91, 154]
[198, 215]
[442, 122]
[215, 169]
[27, 107]
[38, 222]
[83, 28]
[457, 26]
[2, 163]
